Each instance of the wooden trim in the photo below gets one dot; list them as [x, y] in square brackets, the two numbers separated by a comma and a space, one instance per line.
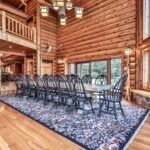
[13, 53]
[11, 9]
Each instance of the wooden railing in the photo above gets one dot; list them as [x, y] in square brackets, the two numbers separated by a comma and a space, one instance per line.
[13, 26]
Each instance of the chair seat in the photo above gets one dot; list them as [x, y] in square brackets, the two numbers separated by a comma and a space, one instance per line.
[112, 98]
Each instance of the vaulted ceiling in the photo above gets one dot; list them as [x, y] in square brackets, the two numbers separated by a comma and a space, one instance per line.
[17, 3]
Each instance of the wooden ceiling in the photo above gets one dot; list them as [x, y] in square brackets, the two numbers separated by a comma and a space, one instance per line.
[12, 48]
[17, 3]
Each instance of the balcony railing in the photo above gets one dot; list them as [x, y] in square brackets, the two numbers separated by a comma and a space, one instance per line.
[13, 26]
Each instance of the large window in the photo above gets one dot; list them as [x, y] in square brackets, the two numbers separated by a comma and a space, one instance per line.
[146, 70]
[115, 70]
[146, 19]
[71, 68]
[96, 68]
[83, 69]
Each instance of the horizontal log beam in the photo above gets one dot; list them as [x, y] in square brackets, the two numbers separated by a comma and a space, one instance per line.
[8, 8]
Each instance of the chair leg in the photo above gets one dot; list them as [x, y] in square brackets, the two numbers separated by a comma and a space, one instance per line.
[101, 107]
[121, 109]
[45, 99]
[91, 106]
[115, 110]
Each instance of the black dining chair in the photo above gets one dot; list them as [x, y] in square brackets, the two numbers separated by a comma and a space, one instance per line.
[33, 88]
[41, 87]
[101, 80]
[51, 89]
[87, 79]
[79, 94]
[63, 89]
[19, 87]
[110, 100]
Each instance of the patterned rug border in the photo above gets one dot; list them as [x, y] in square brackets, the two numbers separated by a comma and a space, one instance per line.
[137, 130]
[123, 146]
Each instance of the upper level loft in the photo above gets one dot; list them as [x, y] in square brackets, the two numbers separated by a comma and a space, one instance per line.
[14, 31]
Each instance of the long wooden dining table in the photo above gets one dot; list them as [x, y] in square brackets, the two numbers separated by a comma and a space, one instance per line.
[94, 88]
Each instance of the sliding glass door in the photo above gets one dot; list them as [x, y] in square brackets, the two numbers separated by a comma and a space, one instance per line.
[98, 68]
[110, 67]
[115, 70]
[83, 69]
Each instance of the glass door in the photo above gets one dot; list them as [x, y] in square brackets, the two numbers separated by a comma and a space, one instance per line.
[98, 68]
[115, 70]
[83, 69]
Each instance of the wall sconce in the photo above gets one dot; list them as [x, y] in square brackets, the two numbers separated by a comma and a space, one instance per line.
[60, 61]
[128, 51]
[44, 11]
[79, 12]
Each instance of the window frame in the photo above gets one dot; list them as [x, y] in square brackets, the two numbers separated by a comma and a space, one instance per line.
[108, 63]
[145, 87]
[144, 39]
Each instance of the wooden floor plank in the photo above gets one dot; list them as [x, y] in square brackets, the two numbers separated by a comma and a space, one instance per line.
[18, 132]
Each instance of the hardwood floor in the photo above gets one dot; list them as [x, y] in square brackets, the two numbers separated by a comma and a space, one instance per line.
[18, 132]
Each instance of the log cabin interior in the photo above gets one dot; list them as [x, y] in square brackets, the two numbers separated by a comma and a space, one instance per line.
[74, 74]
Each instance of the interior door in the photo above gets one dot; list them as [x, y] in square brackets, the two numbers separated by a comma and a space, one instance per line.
[47, 67]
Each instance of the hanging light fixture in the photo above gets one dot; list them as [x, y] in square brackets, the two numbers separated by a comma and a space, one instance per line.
[55, 5]
[61, 6]
[62, 16]
[79, 12]
[60, 3]
[44, 11]
[69, 5]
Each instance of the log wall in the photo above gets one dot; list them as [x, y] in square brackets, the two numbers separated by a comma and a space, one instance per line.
[107, 28]
[48, 29]
[142, 45]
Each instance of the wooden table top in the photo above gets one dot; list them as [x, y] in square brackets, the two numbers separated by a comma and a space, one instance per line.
[96, 88]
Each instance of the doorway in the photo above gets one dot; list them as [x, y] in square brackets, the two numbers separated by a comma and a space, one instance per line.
[47, 67]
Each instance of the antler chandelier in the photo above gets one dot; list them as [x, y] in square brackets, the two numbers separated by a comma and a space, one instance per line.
[61, 6]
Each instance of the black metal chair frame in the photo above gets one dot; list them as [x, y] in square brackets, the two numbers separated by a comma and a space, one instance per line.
[87, 79]
[101, 80]
[110, 99]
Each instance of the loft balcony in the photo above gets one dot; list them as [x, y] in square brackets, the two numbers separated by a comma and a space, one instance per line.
[12, 30]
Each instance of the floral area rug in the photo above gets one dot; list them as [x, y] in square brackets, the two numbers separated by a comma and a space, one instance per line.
[90, 131]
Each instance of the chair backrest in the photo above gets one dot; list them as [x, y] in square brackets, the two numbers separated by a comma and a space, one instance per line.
[121, 83]
[101, 80]
[87, 79]
[32, 83]
[39, 81]
[70, 76]
[77, 87]
[62, 85]
[23, 81]
[18, 82]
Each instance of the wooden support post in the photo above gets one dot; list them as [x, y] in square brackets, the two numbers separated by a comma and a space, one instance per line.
[128, 80]
[3, 21]
[0, 74]
[34, 35]
[38, 39]
[25, 65]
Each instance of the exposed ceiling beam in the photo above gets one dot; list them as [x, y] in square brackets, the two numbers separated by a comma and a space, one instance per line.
[12, 53]
[11, 9]
[23, 2]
